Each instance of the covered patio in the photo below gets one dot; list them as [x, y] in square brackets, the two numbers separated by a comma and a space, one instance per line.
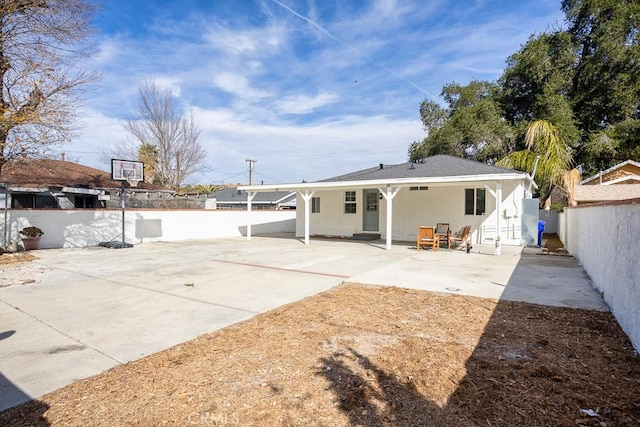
[401, 192]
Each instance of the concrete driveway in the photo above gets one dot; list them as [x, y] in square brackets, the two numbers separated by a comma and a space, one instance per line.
[87, 310]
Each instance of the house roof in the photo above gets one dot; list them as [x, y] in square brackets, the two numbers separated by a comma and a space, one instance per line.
[595, 177]
[233, 195]
[440, 169]
[605, 193]
[431, 167]
[56, 173]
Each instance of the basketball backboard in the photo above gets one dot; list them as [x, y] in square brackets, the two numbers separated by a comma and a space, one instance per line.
[127, 170]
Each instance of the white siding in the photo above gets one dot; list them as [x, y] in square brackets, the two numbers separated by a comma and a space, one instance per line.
[412, 209]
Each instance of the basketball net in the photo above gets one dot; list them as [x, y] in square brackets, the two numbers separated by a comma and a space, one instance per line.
[130, 176]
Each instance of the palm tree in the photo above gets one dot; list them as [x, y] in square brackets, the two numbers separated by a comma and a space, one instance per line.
[543, 141]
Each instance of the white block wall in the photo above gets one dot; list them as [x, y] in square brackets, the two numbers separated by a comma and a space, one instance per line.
[83, 228]
[606, 241]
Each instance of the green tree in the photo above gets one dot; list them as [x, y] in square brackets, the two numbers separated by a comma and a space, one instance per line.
[585, 80]
[543, 67]
[606, 83]
[605, 90]
[42, 47]
[472, 126]
[544, 144]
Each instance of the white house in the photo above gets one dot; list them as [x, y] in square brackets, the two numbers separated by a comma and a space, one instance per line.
[394, 200]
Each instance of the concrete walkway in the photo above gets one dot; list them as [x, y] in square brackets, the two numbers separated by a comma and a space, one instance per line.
[87, 310]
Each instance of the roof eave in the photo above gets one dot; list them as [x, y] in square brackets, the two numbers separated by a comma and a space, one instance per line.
[399, 182]
[612, 168]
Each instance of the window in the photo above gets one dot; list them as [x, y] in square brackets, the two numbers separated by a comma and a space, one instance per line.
[315, 205]
[421, 188]
[87, 202]
[25, 201]
[474, 201]
[30, 201]
[350, 202]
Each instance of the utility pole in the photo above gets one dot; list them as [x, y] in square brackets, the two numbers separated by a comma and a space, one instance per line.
[251, 163]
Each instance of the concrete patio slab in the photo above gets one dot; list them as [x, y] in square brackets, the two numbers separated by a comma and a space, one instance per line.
[91, 309]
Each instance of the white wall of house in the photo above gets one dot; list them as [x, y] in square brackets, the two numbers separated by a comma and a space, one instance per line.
[413, 208]
[83, 228]
[604, 239]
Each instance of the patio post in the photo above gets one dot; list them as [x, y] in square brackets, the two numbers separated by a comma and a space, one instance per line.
[498, 196]
[306, 196]
[250, 196]
[388, 195]
[498, 249]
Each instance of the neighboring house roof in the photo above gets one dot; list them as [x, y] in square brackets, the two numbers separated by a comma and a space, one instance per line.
[235, 196]
[46, 173]
[620, 173]
[605, 193]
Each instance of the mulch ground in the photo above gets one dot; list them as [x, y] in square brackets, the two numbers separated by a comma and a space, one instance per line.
[371, 356]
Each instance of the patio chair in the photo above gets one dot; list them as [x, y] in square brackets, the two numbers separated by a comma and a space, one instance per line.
[443, 232]
[427, 237]
[463, 236]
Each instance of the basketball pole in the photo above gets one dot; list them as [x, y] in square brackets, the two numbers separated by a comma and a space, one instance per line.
[124, 245]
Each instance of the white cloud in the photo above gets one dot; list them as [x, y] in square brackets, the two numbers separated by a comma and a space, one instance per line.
[238, 85]
[171, 83]
[290, 153]
[260, 41]
[303, 104]
[309, 102]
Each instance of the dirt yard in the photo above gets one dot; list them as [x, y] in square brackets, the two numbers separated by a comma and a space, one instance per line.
[11, 259]
[371, 356]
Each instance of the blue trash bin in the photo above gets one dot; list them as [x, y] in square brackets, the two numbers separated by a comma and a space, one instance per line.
[541, 225]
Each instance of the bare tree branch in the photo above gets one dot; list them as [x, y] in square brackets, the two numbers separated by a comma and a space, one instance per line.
[158, 122]
[42, 43]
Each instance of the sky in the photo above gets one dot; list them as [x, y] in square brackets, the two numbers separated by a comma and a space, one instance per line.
[310, 89]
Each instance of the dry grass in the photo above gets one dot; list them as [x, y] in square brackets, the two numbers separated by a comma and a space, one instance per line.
[11, 259]
[371, 356]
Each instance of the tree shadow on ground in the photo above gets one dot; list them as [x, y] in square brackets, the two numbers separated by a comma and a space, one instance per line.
[521, 372]
[527, 364]
[372, 397]
[28, 414]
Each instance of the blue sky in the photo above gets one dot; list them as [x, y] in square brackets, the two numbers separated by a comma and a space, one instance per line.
[309, 88]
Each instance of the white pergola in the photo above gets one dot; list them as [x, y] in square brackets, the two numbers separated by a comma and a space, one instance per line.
[388, 188]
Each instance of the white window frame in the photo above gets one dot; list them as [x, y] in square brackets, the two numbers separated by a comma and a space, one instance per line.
[315, 205]
[479, 201]
[350, 200]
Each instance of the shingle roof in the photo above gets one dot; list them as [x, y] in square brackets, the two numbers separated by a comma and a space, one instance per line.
[57, 173]
[434, 166]
[233, 195]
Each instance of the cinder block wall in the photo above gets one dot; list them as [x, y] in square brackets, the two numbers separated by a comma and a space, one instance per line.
[605, 239]
[68, 228]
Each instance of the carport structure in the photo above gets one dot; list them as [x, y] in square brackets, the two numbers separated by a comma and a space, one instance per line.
[440, 188]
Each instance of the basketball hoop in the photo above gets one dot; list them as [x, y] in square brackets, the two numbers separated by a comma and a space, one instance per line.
[131, 171]
[131, 177]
